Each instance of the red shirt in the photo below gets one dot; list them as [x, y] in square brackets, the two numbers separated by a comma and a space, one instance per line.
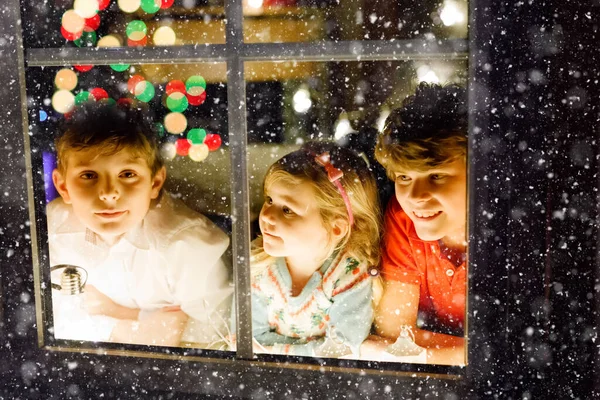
[406, 258]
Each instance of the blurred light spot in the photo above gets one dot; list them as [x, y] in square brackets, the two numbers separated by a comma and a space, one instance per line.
[43, 115]
[342, 128]
[302, 102]
[65, 79]
[451, 14]
[129, 6]
[164, 36]
[63, 101]
[175, 123]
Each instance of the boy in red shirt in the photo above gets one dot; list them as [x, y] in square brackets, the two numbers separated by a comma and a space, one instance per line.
[423, 149]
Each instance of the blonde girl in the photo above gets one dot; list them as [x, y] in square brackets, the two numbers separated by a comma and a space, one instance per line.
[313, 267]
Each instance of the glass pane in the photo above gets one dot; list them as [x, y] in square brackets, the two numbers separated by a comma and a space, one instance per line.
[116, 23]
[312, 135]
[134, 253]
[281, 21]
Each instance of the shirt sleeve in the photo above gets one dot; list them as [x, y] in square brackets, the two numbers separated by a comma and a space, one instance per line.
[198, 276]
[398, 263]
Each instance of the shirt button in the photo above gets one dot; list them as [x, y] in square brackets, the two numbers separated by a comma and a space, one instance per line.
[449, 272]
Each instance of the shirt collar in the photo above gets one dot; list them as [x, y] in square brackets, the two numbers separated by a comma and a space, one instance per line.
[136, 236]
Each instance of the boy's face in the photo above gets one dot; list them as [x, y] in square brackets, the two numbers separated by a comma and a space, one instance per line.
[436, 201]
[110, 194]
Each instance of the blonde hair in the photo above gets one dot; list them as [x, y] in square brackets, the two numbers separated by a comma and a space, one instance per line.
[108, 129]
[428, 131]
[362, 238]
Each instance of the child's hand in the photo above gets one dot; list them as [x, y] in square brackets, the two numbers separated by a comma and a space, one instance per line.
[97, 303]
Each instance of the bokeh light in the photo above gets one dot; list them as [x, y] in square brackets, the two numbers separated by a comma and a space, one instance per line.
[86, 8]
[72, 22]
[43, 115]
[83, 97]
[183, 147]
[168, 151]
[195, 85]
[129, 6]
[144, 91]
[92, 23]
[198, 152]
[175, 86]
[213, 141]
[98, 93]
[151, 6]
[196, 100]
[133, 82]
[68, 35]
[164, 36]
[166, 3]
[110, 41]
[175, 123]
[102, 4]
[196, 136]
[177, 102]
[136, 30]
[65, 79]
[87, 39]
[83, 68]
[119, 67]
[63, 101]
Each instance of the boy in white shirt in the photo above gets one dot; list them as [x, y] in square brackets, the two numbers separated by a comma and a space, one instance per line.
[156, 274]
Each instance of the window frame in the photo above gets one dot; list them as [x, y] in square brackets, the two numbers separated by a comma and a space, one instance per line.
[235, 53]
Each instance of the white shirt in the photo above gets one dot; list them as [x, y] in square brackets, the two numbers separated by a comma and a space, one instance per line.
[174, 257]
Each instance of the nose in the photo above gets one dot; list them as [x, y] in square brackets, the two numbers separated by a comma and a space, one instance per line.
[109, 190]
[267, 214]
[420, 191]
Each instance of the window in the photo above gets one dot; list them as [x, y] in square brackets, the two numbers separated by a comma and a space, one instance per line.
[256, 80]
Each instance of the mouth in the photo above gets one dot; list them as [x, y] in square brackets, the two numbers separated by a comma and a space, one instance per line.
[110, 214]
[268, 235]
[426, 215]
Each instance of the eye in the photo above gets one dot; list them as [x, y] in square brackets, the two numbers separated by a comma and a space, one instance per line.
[287, 210]
[268, 200]
[437, 177]
[128, 174]
[88, 175]
[402, 178]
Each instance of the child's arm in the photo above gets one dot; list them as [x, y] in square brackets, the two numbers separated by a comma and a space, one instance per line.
[160, 328]
[97, 303]
[399, 306]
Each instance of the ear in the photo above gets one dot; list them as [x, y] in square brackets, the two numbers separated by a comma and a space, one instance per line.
[60, 184]
[158, 181]
[339, 229]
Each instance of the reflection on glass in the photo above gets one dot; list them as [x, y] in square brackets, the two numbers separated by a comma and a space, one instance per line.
[116, 23]
[310, 20]
[350, 103]
[136, 188]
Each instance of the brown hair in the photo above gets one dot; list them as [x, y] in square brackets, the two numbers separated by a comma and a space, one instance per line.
[108, 129]
[429, 130]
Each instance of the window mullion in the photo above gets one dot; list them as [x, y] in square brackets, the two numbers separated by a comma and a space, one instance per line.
[240, 203]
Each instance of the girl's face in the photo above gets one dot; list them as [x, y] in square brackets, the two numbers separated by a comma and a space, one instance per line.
[436, 201]
[291, 223]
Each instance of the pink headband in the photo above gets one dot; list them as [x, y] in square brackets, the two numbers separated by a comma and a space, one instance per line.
[335, 174]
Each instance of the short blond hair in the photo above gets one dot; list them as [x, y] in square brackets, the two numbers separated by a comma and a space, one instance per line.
[429, 130]
[362, 239]
[108, 129]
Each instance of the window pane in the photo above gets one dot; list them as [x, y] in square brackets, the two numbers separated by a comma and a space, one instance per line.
[310, 297]
[112, 23]
[129, 262]
[311, 20]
